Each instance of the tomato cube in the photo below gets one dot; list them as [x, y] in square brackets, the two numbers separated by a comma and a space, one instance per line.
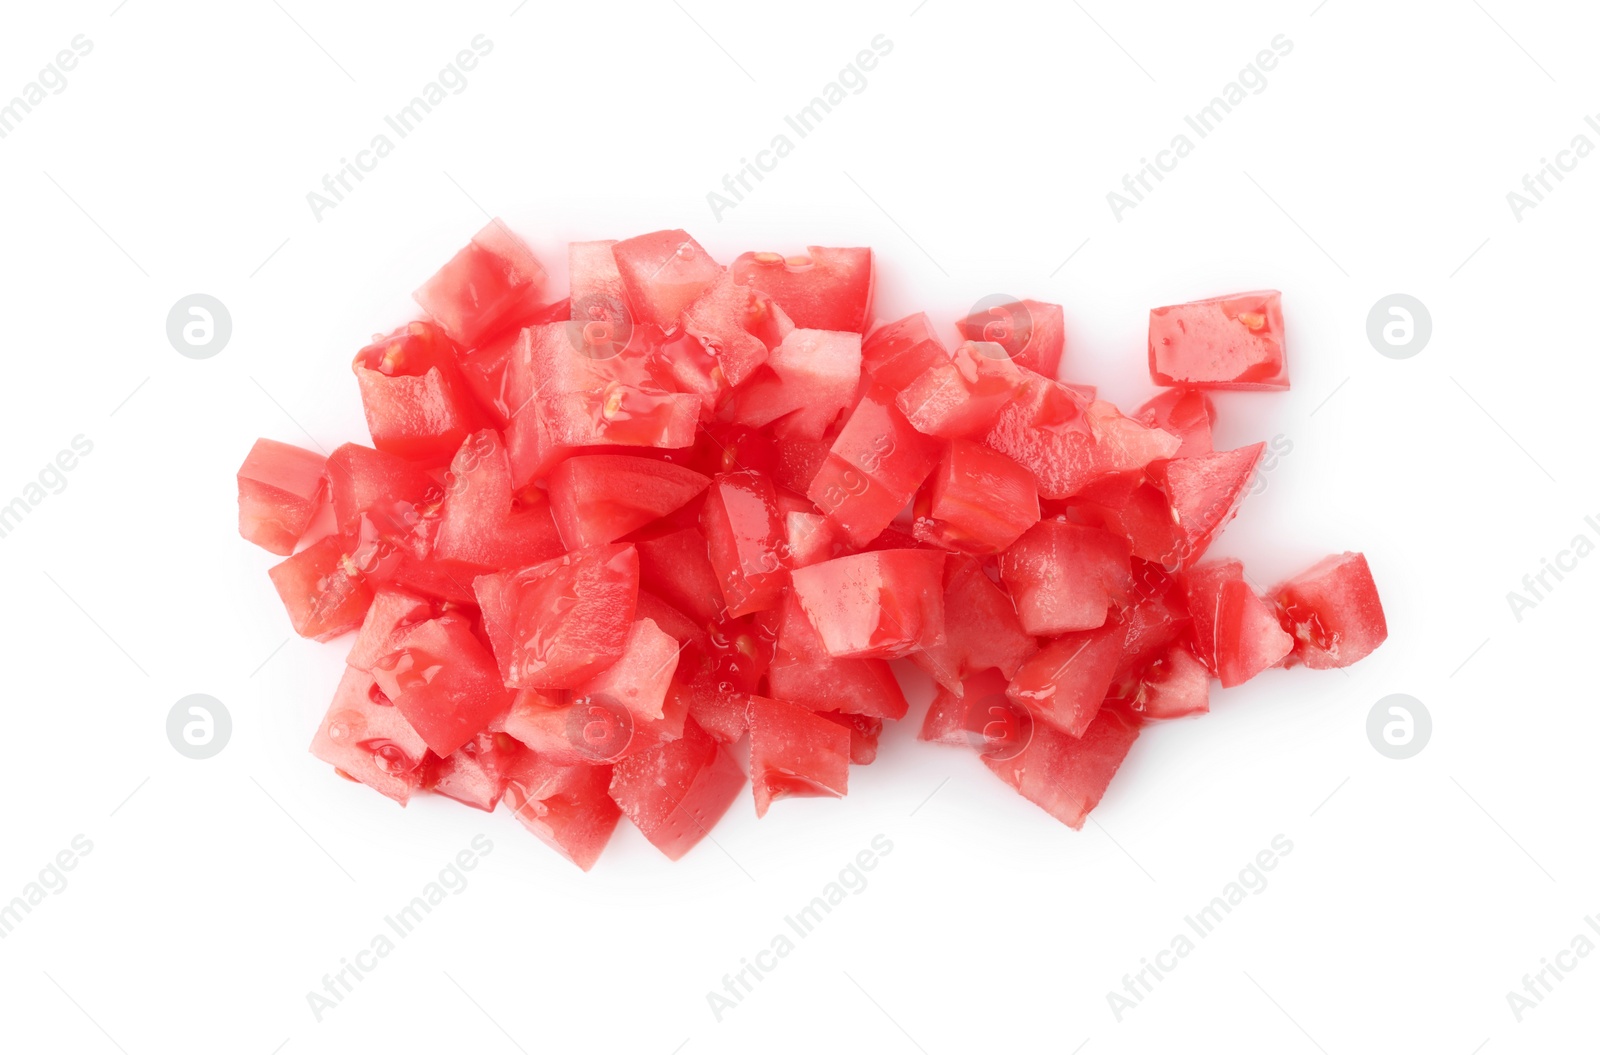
[324, 592]
[897, 353]
[638, 680]
[1067, 776]
[493, 276]
[883, 604]
[280, 490]
[675, 792]
[1224, 342]
[569, 808]
[418, 405]
[864, 732]
[981, 629]
[598, 498]
[873, 468]
[675, 567]
[444, 682]
[366, 739]
[803, 672]
[795, 752]
[1064, 683]
[599, 301]
[392, 613]
[1236, 633]
[1129, 505]
[1032, 333]
[478, 523]
[1186, 413]
[1065, 576]
[825, 289]
[809, 379]
[1174, 685]
[558, 624]
[662, 274]
[745, 536]
[977, 713]
[738, 326]
[1333, 612]
[811, 538]
[1204, 494]
[961, 394]
[978, 501]
[394, 494]
[476, 773]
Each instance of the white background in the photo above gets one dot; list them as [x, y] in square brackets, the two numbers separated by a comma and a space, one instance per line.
[976, 160]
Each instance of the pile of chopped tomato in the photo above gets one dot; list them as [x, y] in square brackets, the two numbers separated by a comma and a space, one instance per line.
[614, 555]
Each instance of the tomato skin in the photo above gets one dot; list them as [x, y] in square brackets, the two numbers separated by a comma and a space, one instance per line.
[1065, 576]
[444, 682]
[569, 808]
[1236, 633]
[368, 740]
[1032, 333]
[874, 466]
[675, 792]
[325, 594]
[745, 537]
[281, 487]
[978, 501]
[825, 289]
[1064, 775]
[488, 279]
[1225, 342]
[1333, 612]
[795, 753]
[884, 604]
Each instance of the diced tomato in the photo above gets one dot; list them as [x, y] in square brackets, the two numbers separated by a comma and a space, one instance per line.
[675, 792]
[418, 405]
[898, 353]
[883, 604]
[599, 301]
[280, 490]
[1186, 413]
[715, 678]
[961, 395]
[366, 739]
[478, 524]
[1067, 776]
[873, 468]
[558, 624]
[598, 498]
[1065, 576]
[639, 679]
[569, 808]
[476, 773]
[745, 538]
[825, 289]
[674, 623]
[662, 274]
[1174, 685]
[981, 629]
[803, 672]
[676, 567]
[811, 538]
[390, 491]
[978, 501]
[809, 379]
[1236, 633]
[493, 276]
[1333, 612]
[1133, 507]
[977, 712]
[795, 752]
[864, 733]
[1224, 342]
[391, 614]
[324, 592]
[1204, 494]
[1156, 617]
[444, 682]
[738, 326]
[1065, 682]
[1032, 333]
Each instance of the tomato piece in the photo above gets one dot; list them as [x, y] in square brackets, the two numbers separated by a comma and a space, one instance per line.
[883, 604]
[558, 624]
[392, 613]
[981, 629]
[1174, 685]
[1065, 576]
[864, 732]
[738, 326]
[322, 589]
[1067, 776]
[1333, 612]
[1157, 616]
[1236, 633]
[675, 792]
[494, 275]
[367, 740]
[745, 536]
[478, 524]
[811, 538]
[638, 680]
[1129, 505]
[873, 468]
[662, 273]
[599, 301]
[389, 490]
[795, 753]
[1224, 342]
[961, 395]
[1032, 333]
[444, 682]
[417, 403]
[803, 672]
[1204, 494]
[897, 353]
[824, 289]
[676, 567]
[978, 501]
[280, 490]
[569, 808]
[475, 773]
[598, 498]
[1186, 413]
[1064, 683]
[809, 379]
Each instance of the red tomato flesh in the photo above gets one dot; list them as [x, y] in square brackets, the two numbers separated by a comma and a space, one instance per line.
[280, 490]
